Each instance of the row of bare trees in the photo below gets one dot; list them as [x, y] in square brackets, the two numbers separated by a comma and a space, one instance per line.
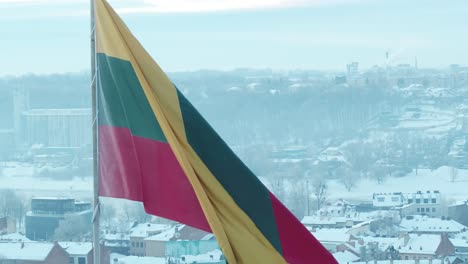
[13, 205]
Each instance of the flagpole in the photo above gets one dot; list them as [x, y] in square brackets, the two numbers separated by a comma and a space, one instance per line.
[96, 205]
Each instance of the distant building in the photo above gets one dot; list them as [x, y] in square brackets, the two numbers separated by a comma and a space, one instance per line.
[387, 200]
[423, 203]
[352, 72]
[117, 242]
[461, 248]
[459, 212]
[141, 231]
[7, 225]
[58, 127]
[180, 240]
[340, 79]
[82, 252]
[328, 222]
[33, 253]
[46, 213]
[332, 238]
[20, 104]
[213, 257]
[417, 247]
[426, 225]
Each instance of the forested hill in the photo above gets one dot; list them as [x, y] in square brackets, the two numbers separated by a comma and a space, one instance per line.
[245, 106]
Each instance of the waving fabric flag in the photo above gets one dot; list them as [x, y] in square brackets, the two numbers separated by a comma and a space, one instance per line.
[155, 147]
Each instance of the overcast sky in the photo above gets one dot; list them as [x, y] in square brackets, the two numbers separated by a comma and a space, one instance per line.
[48, 36]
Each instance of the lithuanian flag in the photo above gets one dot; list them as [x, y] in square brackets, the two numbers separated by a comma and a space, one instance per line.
[155, 147]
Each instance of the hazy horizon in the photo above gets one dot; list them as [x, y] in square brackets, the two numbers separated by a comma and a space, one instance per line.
[312, 35]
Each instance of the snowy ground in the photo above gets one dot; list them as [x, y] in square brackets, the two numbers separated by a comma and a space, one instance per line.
[431, 119]
[21, 177]
[425, 180]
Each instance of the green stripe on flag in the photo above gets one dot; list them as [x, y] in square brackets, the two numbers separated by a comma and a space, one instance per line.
[122, 100]
[241, 184]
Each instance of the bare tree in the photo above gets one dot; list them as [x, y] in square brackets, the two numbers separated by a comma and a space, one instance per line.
[296, 201]
[349, 179]
[453, 174]
[277, 187]
[72, 228]
[319, 189]
[134, 211]
[108, 212]
[11, 204]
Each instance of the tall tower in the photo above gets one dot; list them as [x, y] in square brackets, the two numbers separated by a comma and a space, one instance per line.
[20, 104]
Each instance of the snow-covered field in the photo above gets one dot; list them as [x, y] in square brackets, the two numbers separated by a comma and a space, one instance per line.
[428, 118]
[425, 180]
[23, 177]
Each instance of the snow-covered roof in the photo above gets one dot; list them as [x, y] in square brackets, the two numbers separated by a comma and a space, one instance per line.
[181, 232]
[459, 243]
[331, 235]
[383, 242]
[462, 235]
[212, 256]
[33, 251]
[427, 224]
[421, 261]
[323, 220]
[138, 260]
[115, 236]
[15, 237]
[147, 229]
[421, 244]
[345, 257]
[77, 248]
[164, 236]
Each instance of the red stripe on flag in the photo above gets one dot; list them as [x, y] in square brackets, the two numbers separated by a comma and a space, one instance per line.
[146, 170]
[297, 243]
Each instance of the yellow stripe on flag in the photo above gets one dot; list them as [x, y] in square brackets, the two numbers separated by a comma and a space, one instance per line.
[237, 235]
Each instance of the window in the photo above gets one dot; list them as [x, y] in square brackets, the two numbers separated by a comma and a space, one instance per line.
[81, 260]
[418, 210]
[381, 199]
[395, 199]
[410, 200]
[418, 201]
[427, 210]
[426, 201]
[72, 260]
[434, 200]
